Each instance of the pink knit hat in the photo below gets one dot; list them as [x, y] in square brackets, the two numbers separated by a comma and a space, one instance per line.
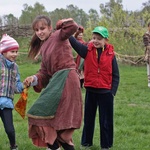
[8, 43]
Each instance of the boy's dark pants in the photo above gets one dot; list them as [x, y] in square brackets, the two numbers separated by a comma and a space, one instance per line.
[7, 118]
[105, 103]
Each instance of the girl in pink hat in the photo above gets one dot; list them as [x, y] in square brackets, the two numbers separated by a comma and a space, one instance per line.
[9, 85]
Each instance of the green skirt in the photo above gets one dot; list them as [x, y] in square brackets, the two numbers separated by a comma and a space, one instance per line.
[46, 105]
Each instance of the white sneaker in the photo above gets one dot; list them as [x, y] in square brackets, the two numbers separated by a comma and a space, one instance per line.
[14, 148]
[51, 149]
[85, 147]
[149, 84]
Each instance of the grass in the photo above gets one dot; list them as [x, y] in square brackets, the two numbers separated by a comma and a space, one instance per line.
[131, 113]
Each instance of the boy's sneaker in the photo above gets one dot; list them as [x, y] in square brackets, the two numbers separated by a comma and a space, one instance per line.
[14, 147]
[51, 149]
[85, 147]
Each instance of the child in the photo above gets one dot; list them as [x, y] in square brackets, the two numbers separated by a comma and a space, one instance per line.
[101, 76]
[80, 61]
[9, 85]
[57, 113]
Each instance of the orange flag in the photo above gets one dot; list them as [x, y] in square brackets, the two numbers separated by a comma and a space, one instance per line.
[20, 106]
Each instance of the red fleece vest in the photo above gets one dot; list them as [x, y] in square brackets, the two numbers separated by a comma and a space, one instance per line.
[98, 74]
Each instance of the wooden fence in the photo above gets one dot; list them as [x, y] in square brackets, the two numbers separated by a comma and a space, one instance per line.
[26, 31]
[132, 60]
[17, 31]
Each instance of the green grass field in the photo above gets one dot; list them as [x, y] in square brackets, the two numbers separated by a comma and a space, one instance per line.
[131, 113]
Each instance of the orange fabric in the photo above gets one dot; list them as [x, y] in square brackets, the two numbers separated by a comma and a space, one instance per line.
[20, 106]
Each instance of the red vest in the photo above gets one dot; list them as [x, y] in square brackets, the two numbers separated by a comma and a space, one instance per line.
[98, 74]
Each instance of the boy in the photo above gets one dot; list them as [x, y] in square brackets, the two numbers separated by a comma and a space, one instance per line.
[9, 85]
[101, 76]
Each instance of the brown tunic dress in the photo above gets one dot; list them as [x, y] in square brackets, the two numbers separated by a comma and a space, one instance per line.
[57, 55]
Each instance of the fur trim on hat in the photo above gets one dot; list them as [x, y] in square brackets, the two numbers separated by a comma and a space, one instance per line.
[8, 43]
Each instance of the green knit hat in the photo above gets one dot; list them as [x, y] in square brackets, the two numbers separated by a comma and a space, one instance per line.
[102, 31]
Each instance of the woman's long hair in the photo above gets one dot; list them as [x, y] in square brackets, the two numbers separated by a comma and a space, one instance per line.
[36, 43]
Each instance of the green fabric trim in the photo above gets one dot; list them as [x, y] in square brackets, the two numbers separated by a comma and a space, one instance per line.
[46, 105]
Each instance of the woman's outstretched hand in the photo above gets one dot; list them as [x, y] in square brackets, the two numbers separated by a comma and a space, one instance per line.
[27, 82]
